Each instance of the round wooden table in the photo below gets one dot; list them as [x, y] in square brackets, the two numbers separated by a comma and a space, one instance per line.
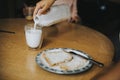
[17, 61]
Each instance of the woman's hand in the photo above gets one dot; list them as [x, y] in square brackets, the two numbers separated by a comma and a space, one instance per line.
[75, 19]
[43, 6]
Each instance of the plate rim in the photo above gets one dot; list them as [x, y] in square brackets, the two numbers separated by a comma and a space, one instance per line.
[84, 69]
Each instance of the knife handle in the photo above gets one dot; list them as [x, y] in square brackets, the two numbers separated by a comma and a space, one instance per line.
[97, 63]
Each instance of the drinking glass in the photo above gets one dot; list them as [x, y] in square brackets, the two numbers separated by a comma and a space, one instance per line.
[33, 36]
[28, 12]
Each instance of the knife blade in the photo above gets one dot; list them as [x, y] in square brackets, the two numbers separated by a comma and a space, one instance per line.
[4, 31]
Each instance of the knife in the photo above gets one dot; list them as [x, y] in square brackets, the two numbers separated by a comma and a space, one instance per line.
[87, 58]
[7, 31]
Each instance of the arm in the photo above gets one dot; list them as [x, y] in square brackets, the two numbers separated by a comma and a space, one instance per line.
[74, 8]
[74, 14]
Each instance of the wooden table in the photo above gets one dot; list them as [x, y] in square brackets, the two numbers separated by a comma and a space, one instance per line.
[17, 61]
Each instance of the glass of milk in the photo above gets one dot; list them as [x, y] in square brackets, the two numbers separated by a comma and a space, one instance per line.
[33, 36]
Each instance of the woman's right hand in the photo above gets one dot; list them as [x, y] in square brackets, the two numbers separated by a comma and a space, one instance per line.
[42, 7]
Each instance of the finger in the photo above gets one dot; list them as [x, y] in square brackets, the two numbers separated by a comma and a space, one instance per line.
[35, 12]
[38, 6]
[44, 10]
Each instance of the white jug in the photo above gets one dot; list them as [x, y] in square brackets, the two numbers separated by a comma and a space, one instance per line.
[57, 13]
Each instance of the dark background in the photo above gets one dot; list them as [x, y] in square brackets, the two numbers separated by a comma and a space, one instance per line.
[14, 8]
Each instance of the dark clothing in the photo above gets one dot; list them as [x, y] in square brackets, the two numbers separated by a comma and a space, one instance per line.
[104, 16]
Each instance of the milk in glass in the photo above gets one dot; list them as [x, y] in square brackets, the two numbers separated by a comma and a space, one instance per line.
[33, 36]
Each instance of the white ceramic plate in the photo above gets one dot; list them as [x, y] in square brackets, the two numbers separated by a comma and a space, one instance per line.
[85, 64]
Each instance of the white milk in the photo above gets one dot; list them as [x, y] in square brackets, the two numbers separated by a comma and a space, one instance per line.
[57, 13]
[35, 25]
[33, 37]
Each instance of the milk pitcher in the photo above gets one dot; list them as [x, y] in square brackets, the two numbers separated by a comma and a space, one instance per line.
[57, 13]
